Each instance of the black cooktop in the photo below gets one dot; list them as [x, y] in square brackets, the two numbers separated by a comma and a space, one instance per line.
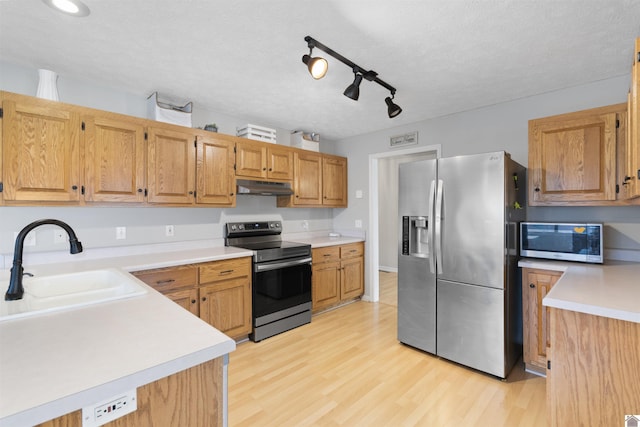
[264, 239]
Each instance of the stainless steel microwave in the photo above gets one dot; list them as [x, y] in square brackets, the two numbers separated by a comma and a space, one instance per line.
[562, 241]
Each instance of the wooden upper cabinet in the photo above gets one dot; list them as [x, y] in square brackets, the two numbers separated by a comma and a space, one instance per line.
[251, 159]
[334, 181]
[280, 163]
[307, 184]
[114, 159]
[215, 180]
[261, 160]
[632, 175]
[572, 157]
[41, 151]
[171, 166]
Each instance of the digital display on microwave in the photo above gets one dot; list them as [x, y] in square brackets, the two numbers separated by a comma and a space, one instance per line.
[571, 242]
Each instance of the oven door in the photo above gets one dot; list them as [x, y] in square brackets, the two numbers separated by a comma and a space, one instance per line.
[279, 285]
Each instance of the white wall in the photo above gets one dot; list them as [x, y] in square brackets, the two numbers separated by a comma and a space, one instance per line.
[497, 127]
[95, 226]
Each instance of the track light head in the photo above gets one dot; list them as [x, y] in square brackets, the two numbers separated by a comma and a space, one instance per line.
[317, 66]
[353, 90]
[392, 109]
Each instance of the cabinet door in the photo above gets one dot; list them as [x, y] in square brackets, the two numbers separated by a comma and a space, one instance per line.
[251, 159]
[352, 278]
[41, 146]
[632, 179]
[186, 298]
[280, 163]
[325, 284]
[536, 285]
[226, 306]
[334, 181]
[214, 172]
[114, 160]
[171, 166]
[572, 158]
[308, 179]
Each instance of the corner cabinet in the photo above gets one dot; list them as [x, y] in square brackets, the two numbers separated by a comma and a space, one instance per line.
[337, 275]
[536, 284]
[219, 292]
[320, 180]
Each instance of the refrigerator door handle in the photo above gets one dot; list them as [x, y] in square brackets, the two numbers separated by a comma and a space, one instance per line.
[438, 226]
[432, 259]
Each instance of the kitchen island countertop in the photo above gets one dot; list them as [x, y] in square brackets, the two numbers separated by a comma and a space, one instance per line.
[610, 290]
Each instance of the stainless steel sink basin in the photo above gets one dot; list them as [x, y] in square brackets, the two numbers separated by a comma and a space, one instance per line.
[65, 291]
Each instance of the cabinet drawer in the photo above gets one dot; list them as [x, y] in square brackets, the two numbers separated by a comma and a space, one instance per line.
[224, 270]
[328, 253]
[169, 279]
[351, 250]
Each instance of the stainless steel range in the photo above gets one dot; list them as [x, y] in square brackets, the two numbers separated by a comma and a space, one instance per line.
[281, 287]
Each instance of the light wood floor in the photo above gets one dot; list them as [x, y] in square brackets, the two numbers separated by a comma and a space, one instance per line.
[346, 368]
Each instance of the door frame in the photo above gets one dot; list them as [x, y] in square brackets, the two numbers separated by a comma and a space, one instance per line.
[372, 291]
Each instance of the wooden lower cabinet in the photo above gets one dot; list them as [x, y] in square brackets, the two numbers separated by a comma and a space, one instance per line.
[338, 275]
[536, 284]
[218, 292]
[594, 375]
[225, 296]
[190, 398]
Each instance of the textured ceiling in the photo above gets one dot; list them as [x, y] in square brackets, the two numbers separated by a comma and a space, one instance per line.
[243, 58]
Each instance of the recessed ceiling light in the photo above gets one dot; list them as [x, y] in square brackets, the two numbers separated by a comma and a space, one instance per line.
[70, 7]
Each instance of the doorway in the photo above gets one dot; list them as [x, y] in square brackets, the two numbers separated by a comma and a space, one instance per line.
[383, 210]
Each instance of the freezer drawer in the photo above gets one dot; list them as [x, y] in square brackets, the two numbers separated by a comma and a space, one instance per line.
[471, 326]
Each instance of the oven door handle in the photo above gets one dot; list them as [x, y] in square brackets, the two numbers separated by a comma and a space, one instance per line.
[284, 264]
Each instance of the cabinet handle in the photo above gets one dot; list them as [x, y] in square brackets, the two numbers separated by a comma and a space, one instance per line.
[74, 187]
[190, 192]
[165, 282]
[204, 299]
[531, 285]
[139, 190]
[536, 189]
[270, 169]
[231, 194]
[193, 301]
[264, 169]
[297, 196]
[225, 272]
[326, 255]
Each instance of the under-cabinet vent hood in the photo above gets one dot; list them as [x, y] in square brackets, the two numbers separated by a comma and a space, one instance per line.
[264, 188]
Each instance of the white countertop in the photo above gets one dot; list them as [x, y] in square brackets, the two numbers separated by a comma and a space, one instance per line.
[609, 290]
[52, 364]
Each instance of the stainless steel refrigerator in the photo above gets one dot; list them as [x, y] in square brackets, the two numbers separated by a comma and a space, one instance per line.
[458, 292]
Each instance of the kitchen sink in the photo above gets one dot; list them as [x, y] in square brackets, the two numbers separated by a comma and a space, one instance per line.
[65, 291]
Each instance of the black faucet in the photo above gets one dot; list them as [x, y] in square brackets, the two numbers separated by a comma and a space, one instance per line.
[16, 290]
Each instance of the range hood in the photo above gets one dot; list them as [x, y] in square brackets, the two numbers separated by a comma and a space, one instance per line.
[263, 188]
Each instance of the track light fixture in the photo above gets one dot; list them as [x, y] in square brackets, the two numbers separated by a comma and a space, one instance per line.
[392, 109]
[353, 90]
[318, 68]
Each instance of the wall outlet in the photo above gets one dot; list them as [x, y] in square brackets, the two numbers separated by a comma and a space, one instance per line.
[109, 409]
[358, 194]
[358, 223]
[29, 240]
[60, 236]
[168, 231]
[121, 233]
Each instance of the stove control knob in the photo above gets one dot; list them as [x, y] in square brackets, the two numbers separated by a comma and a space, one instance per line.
[233, 227]
[240, 226]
